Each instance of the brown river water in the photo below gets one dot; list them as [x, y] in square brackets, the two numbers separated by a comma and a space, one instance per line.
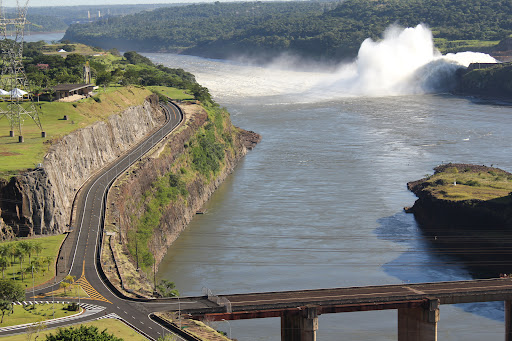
[319, 202]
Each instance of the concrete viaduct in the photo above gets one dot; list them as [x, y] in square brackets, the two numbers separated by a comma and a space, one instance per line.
[417, 304]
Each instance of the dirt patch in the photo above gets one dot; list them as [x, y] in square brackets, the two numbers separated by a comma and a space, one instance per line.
[8, 154]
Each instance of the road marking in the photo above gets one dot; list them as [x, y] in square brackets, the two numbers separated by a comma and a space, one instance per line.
[88, 288]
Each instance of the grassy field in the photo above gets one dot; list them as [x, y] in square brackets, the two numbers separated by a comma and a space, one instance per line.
[116, 327]
[460, 183]
[447, 46]
[50, 248]
[19, 156]
[41, 312]
[175, 94]
[79, 48]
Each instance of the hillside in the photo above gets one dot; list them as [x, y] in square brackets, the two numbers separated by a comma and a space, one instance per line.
[491, 81]
[321, 31]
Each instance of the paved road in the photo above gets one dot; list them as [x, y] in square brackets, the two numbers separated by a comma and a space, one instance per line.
[83, 259]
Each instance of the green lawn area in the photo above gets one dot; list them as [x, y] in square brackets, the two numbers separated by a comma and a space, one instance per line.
[457, 184]
[41, 312]
[50, 249]
[112, 326]
[447, 46]
[19, 156]
[175, 94]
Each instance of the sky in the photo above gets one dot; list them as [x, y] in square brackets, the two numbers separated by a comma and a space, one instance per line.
[39, 3]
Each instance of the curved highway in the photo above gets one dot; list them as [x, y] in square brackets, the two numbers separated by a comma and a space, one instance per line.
[84, 259]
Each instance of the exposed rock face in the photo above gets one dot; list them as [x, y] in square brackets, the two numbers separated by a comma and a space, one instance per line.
[129, 189]
[40, 201]
[476, 232]
[467, 214]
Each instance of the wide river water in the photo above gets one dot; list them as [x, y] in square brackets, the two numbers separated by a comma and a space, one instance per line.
[319, 202]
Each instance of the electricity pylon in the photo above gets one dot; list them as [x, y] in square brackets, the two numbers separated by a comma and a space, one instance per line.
[16, 93]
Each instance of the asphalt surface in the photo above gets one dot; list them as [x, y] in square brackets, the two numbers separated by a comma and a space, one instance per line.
[82, 258]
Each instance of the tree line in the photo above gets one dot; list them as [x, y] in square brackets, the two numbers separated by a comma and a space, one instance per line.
[321, 30]
[46, 70]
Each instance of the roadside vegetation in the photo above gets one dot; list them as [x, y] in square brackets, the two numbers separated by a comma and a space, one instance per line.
[30, 261]
[112, 326]
[465, 182]
[329, 31]
[203, 158]
[22, 314]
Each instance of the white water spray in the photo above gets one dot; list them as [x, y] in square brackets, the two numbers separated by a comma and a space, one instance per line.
[404, 62]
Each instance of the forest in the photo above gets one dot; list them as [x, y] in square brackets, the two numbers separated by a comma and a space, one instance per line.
[313, 30]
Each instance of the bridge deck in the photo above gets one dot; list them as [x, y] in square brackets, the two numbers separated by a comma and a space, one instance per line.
[273, 304]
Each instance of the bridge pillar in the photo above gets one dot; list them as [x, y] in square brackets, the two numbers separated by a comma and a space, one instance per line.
[419, 324]
[301, 326]
[508, 320]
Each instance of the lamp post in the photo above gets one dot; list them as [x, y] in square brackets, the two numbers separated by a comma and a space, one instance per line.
[33, 287]
[229, 324]
[53, 292]
[179, 311]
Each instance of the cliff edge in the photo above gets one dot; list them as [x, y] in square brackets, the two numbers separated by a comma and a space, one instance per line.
[153, 202]
[464, 195]
[39, 201]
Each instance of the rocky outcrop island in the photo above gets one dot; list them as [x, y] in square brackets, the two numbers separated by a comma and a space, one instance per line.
[465, 212]
[464, 195]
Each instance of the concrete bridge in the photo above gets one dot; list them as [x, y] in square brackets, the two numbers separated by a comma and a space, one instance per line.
[418, 306]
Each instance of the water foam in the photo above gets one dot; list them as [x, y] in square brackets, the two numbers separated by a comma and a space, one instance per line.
[404, 62]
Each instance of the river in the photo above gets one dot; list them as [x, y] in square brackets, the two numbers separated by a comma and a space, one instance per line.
[319, 202]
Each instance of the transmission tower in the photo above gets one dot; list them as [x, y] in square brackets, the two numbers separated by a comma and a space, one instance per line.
[16, 95]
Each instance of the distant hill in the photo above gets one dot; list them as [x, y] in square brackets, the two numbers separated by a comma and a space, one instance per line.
[58, 18]
[312, 30]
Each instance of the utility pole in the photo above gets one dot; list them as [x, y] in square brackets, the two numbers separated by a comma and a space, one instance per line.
[15, 90]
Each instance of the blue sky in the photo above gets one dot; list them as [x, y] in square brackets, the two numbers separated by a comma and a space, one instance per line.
[38, 3]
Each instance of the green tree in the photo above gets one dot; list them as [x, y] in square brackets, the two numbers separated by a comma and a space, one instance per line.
[28, 248]
[82, 333]
[103, 78]
[10, 292]
[20, 254]
[3, 265]
[167, 288]
[74, 60]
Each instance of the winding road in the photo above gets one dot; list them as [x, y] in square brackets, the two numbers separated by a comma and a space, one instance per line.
[83, 260]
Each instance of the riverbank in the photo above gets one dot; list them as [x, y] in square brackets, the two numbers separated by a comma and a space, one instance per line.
[132, 247]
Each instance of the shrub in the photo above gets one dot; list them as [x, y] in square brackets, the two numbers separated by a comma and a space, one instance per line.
[473, 183]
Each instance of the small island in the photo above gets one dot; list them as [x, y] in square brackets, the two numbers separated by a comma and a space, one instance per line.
[465, 212]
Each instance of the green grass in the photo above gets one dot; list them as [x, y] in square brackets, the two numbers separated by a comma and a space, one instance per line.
[50, 247]
[175, 94]
[447, 46]
[112, 326]
[20, 156]
[41, 312]
[464, 184]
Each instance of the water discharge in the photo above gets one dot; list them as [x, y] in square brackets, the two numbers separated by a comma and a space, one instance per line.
[319, 202]
[405, 61]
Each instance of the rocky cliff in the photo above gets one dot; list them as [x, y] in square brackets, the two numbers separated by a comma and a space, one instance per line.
[130, 194]
[39, 201]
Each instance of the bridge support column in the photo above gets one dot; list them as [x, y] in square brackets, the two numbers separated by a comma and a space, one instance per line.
[508, 320]
[418, 324]
[300, 327]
